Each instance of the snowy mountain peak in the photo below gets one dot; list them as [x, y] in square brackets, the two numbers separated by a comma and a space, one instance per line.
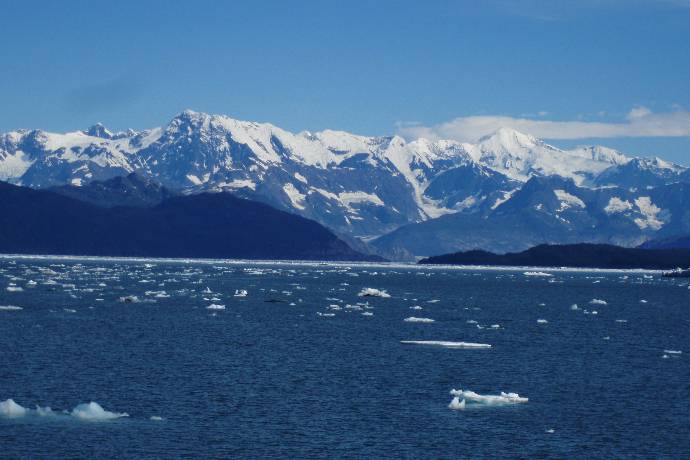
[98, 130]
[508, 139]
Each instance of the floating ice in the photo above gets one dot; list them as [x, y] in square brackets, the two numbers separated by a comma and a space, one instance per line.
[94, 411]
[597, 302]
[643, 301]
[14, 289]
[416, 307]
[215, 306]
[433, 301]
[413, 319]
[371, 292]
[621, 320]
[550, 431]
[542, 321]
[367, 313]
[537, 274]
[10, 308]
[673, 352]
[156, 418]
[456, 404]
[129, 299]
[240, 293]
[9, 408]
[493, 400]
[446, 344]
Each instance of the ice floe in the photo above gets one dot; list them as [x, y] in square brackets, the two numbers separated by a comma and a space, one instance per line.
[87, 411]
[537, 274]
[413, 319]
[215, 306]
[129, 299]
[542, 321]
[371, 292]
[492, 400]
[446, 344]
[597, 302]
[94, 411]
[9, 408]
[10, 308]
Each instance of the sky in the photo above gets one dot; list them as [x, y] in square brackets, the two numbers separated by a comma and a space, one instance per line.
[574, 72]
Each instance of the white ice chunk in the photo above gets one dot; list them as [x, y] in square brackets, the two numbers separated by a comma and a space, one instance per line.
[94, 411]
[446, 344]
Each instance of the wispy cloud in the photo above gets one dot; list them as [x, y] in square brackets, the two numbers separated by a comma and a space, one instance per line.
[640, 122]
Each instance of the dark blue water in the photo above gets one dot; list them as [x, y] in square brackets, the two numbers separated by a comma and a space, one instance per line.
[274, 380]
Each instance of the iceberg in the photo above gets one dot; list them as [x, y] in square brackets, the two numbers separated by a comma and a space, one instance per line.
[94, 412]
[446, 344]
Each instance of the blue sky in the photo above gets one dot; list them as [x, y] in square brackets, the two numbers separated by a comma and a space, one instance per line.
[615, 72]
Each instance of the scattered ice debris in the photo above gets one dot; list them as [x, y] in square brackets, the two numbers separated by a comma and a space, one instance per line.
[367, 313]
[471, 321]
[446, 344]
[643, 301]
[156, 418]
[495, 326]
[607, 338]
[207, 290]
[69, 310]
[215, 306]
[416, 307]
[621, 320]
[10, 308]
[14, 288]
[413, 319]
[240, 293]
[537, 274]
[489, 400]
[597, 302]
[673, 352]
[550, 431]
[94, 411]
[371, 292]
[327, 315]
[433, 301]
[542, 321]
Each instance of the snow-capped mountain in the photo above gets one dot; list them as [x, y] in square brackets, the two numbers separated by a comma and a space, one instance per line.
[357, 185]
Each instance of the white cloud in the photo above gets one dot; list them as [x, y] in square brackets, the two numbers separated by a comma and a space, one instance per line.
[640, 122]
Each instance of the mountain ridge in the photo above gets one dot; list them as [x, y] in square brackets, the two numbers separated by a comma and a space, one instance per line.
[360, 186]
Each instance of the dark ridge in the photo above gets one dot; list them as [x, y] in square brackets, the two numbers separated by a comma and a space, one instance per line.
[208, 225]
[573, 255]
[671, 242]
[130, 190]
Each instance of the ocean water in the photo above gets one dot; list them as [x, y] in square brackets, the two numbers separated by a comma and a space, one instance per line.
[303, 367]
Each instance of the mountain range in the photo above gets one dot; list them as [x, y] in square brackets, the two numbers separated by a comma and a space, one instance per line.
[404, 199]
